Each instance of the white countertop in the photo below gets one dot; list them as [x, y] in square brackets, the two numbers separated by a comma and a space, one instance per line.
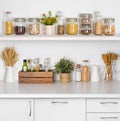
[104, 89]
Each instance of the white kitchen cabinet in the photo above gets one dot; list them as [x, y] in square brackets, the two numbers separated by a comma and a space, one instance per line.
[60, 110]
[16, 110]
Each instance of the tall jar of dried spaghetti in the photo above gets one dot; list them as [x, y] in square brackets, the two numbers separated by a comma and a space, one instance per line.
[109, 26]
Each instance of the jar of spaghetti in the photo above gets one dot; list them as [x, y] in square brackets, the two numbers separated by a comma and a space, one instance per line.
[20, 26]
[109, 26]
[72, 26]
[34, 26]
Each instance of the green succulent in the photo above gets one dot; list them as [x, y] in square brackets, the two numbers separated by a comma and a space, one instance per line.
[64, 66]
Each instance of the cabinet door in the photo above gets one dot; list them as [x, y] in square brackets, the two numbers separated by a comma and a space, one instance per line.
[59, 110]
[16, 110]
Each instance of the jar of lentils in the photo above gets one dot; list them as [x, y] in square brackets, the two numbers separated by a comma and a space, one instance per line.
[85, 24]
[20, 26]
[109, 26]
[34, 26]
[72, 26]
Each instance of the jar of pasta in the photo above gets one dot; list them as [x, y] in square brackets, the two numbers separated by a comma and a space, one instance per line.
[34, 26]
[109, 26]
[20, 26]
[72, 26]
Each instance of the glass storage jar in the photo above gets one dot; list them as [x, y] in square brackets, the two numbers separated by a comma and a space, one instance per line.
[72, 26]
[85, 24]
[34, 26]
[20, 26]
[109, 26]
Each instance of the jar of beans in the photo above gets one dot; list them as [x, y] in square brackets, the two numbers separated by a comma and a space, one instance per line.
[85, 24]
[34, 26]
[109, 26]
[20, 26]
[72, 26]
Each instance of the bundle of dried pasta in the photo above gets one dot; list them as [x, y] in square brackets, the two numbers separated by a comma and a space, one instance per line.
[108, 59]
[10, 56]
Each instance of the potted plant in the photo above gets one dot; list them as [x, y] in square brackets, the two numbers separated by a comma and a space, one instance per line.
[48, 20]
[64, 66]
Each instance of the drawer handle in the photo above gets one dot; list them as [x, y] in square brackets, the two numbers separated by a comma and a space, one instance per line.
[30, 112]
[108, 102]
[109, 117]
[55, 102]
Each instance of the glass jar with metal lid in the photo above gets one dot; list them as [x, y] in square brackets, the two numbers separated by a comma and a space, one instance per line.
[34, 26]
[20, 26]
[72, 26]
[85, 23]
[109, 26]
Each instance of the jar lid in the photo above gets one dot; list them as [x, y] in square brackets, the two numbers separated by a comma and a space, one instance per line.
[19, 19]
[85, 60]
[71, 19]
[86, 15]
[109, 20]
[34, 19]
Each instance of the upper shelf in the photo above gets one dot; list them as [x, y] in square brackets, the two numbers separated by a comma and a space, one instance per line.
[61, 37]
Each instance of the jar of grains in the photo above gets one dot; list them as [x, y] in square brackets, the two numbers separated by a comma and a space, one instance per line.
[85, 24]
[20, 26]
[72, 26]
[109, 26]
[34, 26]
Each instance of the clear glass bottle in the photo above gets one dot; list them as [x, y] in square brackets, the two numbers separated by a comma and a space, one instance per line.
[20, 26]
[60, 23]
[34, 26]
[109, 26]
[24, 66]
[8, 29]
[72, 26]
[85, 24]
[78, 73]
[85, 71]
[98, 24]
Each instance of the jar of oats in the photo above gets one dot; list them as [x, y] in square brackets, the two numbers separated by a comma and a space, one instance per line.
[109, 26]
[34, 26]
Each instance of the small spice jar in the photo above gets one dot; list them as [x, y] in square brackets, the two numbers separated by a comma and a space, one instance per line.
[72, 26]
[34, 26]
[85, 24]
[109, 26]
[20, 26]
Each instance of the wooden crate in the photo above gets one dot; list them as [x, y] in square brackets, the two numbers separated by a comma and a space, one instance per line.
[36, 77]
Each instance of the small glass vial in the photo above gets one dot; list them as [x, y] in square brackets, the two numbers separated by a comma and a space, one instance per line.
[85, 71]
[34, 26]
[78, 73]
[24, 66]
[72, 26]
[20, 26]
[60, 24]
[98, 24]
[8, 23]
[109, 26]
[85, 24]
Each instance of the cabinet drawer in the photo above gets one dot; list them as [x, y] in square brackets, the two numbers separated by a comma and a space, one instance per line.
[103, 117]
[103, 105]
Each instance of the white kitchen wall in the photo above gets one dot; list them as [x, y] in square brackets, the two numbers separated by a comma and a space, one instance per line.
[75, 50]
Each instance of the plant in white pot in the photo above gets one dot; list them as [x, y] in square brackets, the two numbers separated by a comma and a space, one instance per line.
[48, 20]
[64, 66]
[10, 57]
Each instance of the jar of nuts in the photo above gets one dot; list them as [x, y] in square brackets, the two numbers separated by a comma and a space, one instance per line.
[109, 26]
[34, 26]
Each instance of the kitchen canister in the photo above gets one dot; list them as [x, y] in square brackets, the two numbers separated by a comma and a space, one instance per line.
[95, 73]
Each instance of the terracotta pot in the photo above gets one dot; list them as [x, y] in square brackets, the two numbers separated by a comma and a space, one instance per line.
[65, 77]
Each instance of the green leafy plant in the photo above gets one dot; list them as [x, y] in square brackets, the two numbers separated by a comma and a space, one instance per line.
[64, 66]
[48, 19]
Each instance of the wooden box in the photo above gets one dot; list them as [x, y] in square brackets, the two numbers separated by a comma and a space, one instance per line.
[36, 77]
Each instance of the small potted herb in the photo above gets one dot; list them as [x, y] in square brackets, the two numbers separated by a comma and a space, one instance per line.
[64, 67]
[48, 20]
